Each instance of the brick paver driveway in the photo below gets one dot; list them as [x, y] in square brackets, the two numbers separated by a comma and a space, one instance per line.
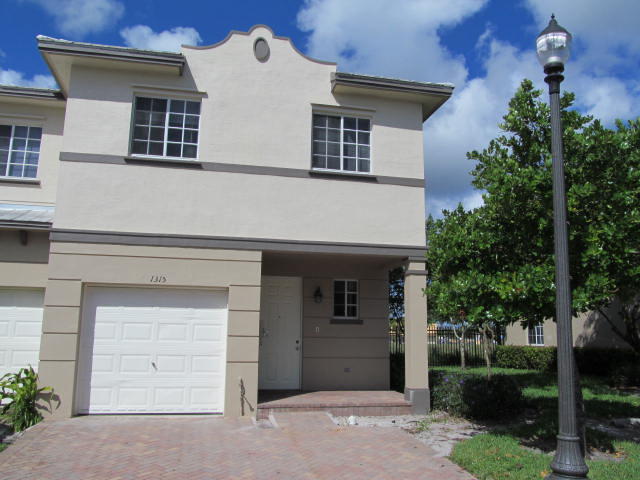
[301, 446]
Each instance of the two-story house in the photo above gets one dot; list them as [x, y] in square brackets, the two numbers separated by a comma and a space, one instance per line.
[225, 221]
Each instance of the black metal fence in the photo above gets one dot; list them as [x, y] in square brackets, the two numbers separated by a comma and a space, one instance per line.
[444, 345]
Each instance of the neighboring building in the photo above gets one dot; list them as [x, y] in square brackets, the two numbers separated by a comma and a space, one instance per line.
[225, 220]
[589, 330]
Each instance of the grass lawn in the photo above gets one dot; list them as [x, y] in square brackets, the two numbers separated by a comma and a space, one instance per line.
[500, 454]
[3, 446]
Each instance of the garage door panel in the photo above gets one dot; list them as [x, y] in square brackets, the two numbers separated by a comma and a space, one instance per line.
[20, 328]
[154, 350]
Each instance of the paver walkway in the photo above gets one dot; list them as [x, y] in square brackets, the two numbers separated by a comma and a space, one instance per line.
[298, 446]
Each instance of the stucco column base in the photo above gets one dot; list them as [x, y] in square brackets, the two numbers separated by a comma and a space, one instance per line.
[419, 398]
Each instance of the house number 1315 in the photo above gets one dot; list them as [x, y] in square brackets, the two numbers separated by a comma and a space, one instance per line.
[158, 279]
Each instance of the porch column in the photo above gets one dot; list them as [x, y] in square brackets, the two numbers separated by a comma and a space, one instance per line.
[416, 389]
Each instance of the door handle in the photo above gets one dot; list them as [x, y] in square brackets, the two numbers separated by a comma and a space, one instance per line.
[153, 364]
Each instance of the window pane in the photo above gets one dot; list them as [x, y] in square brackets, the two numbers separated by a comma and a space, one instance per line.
[350, 164]
[19, 144]
[364, 124]
[319, 134]
[193, 107]
[338, 286]
[15, 170]
[175, 135]
[333, 135]
[143, 118]
[349, 136]
[159, 105]
[319, 161]
[143, 103]
[333, 122]
[176, 120]
[139, 147]
[320, 120]
[333, 163]
[31, 158]
[363, 152]
[352, 287]
[33, 145]
[189, 151]
[352, 311]
[319, 148]
[173, 149]
[333, 149]
[177, 106]
[5, 130]
[17, 157]
[352, 299]
[4, 142]
[156, 148]
[191, 136]
[363, 165]
[156, 133]
[141, 133]
[350, 123]
[338, 310]
[4, 156]
[157, 119]
[3, 169]
[349, 150]
[191, 121]
[35, 133]
[363, 138]
[30, 171]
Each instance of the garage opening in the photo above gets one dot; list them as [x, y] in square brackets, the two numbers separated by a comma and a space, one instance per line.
[152, 350]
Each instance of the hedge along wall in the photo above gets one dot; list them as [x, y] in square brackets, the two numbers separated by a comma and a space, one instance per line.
[590, 361]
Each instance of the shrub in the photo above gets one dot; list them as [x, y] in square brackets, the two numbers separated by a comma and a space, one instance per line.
[396, 370]
[526, 358]
[605, 361]
[19, 393]
[475, 396]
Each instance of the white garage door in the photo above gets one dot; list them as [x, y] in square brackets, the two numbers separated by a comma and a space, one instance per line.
[152, 351]
[20, 328]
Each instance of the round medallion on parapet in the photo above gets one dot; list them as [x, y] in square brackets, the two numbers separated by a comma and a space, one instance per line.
[261, 49]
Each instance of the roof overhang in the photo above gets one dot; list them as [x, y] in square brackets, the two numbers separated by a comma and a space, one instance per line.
[29, 95]
[61, 55]
[26, 217]
[430, 95]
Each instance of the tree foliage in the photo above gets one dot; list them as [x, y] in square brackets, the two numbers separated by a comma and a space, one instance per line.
[496, 264]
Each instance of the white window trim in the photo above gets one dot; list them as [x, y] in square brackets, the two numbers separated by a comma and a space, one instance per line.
[339, 317]
[28, 124]
[342, 114]
[535, 336]
[166, 127]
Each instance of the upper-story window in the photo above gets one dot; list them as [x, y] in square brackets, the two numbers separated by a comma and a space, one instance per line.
[19, 151]
[341, 143]
[165, 127]
[536, 335]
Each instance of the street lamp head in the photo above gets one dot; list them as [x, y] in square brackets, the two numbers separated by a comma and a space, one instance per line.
[553, 46]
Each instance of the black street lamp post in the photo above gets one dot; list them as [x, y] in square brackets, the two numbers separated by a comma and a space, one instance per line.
[552, 47]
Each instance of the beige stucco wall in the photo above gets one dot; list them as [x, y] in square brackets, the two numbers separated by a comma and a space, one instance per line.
[589, 329]
[339, 356]
[51, 120]
[253, 113]
[74, 266]
[23, 265]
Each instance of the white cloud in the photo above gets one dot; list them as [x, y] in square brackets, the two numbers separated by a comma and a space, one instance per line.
[401, 39]
[77, 18]
[143, 37]
[11, 77]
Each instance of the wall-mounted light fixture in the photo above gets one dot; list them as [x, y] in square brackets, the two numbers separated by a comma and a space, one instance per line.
[317, 295]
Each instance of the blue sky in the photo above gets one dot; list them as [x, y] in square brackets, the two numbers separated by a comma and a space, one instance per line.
[484, 47]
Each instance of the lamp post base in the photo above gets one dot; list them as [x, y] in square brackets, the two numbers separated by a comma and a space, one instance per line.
[568, 463]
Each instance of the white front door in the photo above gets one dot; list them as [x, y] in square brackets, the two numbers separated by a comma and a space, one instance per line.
[148, 350]
[20, 328]
[280, 333]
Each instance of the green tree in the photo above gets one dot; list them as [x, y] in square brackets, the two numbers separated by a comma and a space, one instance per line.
[498, 259]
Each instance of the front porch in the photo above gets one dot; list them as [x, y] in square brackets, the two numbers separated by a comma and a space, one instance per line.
[341, 403]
